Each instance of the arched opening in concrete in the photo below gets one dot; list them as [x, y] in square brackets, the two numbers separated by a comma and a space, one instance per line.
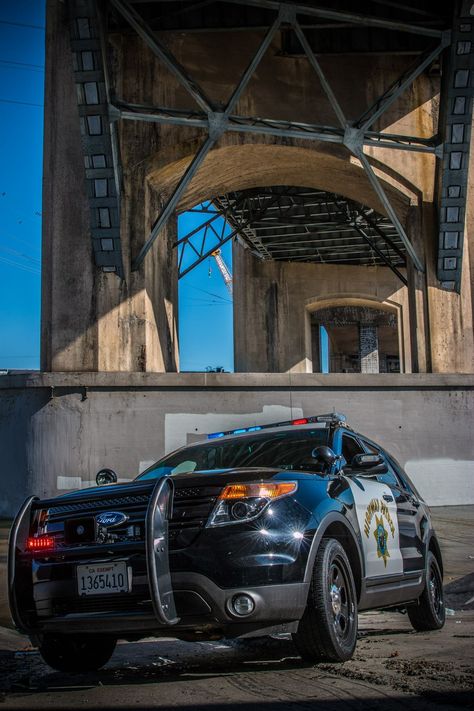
[356, 336]
[243, 165]
[291, 247]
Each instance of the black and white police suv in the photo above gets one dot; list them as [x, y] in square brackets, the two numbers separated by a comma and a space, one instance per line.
[293, 527]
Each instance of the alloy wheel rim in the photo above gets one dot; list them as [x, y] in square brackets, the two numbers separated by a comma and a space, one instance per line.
[435, 590]
[341, 605]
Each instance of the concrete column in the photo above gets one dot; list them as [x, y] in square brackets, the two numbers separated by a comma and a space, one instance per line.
[368, 348]
[450, 314]
[316, 347]
[69, 337]
[93, 321]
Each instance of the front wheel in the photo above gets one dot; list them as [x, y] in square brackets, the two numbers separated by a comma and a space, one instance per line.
[76, 653]
[429, 613]
[328, 629]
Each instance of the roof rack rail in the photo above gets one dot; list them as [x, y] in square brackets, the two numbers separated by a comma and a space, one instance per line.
[334, 419]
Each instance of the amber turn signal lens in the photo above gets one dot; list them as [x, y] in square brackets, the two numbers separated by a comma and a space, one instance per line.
[40, 544]
[261, 491]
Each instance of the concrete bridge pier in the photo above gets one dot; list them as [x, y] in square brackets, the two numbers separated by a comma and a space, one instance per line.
[91, 320]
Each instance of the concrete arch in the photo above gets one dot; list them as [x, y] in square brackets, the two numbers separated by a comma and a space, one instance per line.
[253, 165]
[370, 301]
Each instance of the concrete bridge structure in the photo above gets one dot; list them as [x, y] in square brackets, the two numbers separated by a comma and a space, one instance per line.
[367, 107]
[335, 141]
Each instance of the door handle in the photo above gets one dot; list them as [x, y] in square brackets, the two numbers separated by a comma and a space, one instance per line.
[386, 497]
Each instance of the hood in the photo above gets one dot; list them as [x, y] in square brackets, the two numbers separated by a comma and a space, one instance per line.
[214, 477]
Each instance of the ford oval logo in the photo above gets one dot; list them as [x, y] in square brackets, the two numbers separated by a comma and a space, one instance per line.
[109, 519]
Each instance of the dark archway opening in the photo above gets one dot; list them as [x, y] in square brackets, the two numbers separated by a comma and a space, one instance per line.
[355, 339]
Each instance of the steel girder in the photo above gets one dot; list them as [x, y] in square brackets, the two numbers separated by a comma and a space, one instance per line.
[98, 138]
[457, 92]
[296, 224]
[354, 135]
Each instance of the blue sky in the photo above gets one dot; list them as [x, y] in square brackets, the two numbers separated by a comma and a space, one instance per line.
[205, 315]
[21, 128]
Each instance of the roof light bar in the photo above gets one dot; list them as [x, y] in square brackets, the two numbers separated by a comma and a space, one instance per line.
[335, 419]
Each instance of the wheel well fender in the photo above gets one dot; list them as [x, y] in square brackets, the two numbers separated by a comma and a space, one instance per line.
[336, 526]
[434, 547]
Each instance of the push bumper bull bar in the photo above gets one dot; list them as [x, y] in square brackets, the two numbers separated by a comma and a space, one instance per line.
[20, 577]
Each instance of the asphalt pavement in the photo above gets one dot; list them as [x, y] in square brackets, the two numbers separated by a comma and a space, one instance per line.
[393, 668]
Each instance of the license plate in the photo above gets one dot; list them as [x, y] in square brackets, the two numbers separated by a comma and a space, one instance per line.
[102, 579]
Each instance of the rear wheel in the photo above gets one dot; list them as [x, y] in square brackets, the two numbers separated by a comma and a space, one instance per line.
[429, 612]
[76, 653]
[328, 629]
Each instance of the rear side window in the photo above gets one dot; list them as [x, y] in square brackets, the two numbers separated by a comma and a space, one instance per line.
[406, 482]
[390, 477]
[350, 447]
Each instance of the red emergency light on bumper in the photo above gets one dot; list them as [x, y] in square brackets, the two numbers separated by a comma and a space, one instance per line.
[41, 543]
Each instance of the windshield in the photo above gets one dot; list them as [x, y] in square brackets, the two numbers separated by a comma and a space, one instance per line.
[279, 450]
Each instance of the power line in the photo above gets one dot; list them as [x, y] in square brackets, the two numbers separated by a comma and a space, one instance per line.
[16, 253]
[217, 296]
[22, 267]
[13, 211]
[22, 24]
[22, 65]
[23, 241]
[23, 103]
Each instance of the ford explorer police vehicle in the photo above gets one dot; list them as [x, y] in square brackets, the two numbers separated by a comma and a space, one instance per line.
[293, 528]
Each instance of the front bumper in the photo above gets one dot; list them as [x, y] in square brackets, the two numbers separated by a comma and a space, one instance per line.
[203, 607]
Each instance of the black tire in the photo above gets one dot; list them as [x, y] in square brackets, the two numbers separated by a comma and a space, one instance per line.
[328, 629]
[429, 613]
[76, 653]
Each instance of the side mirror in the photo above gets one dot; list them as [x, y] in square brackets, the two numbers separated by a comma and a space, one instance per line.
[326, 458]
[105, 476]
[369, 464]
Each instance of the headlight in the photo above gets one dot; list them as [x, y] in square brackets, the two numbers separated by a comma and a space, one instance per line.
[239, 503]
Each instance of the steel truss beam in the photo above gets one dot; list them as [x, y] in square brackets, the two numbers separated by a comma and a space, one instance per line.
[339, 16]
[205, 251]
[273, 127]
[216, 121]
[246, 212]
[360, 222]
[397, 88]
[217, 126]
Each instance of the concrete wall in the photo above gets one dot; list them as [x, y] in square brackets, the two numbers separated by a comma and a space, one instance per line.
[57, 430]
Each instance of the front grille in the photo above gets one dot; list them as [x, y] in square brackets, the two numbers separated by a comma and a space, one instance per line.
[191, 509]
[97, 505]
[133, 529]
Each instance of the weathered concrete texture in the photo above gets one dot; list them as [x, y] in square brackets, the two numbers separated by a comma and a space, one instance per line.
[69, 277]
[95, 323]
[90, 320]
[57, 430]
[272, 326]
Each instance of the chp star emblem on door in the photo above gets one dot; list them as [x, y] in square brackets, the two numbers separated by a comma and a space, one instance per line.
[381, 536]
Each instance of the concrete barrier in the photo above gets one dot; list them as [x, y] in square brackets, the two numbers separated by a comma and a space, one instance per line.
[58, 429]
